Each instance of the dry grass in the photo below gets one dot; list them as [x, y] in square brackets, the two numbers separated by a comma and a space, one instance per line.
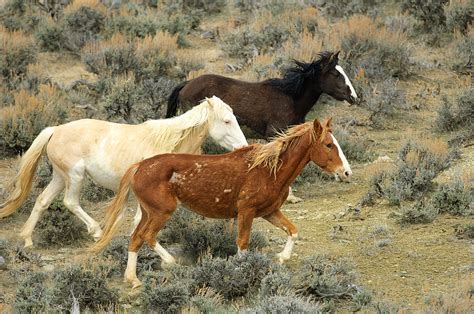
[14, 40]
[305, 48]
[162, 41]
[195, 73]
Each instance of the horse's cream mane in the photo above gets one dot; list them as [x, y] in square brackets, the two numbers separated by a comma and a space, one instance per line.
[268, 155]
[169, 134]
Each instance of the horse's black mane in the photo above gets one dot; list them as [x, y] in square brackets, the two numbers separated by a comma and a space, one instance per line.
[292, 81]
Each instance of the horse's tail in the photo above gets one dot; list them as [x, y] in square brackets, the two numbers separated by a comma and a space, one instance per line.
[115, 210]
[174, 99]
[24, 179]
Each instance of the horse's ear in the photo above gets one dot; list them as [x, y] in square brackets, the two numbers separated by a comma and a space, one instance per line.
[318, 128]
[335, 56]
[331, 63]
[209, 101]
[328, 122]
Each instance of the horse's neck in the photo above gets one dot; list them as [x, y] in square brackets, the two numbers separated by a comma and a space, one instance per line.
[308, 98]
[192, 140]
[293, 161]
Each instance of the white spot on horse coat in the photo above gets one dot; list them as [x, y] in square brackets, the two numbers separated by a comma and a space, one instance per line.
[227, 190]
[176, 178]
[217, 200]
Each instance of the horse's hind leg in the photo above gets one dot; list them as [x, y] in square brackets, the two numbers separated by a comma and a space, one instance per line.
[136, 242]
[279, 220]
[71, 200]
[42, 203]
[164, 204]
[136, 219]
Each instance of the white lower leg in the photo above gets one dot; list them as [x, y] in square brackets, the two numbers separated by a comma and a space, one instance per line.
[292, 198]
[286, 253]
[131, 270]
[241, 252]
[93, 228]
[166, 257]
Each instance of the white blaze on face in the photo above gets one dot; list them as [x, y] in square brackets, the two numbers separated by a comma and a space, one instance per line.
[345, 163]
[348, 82]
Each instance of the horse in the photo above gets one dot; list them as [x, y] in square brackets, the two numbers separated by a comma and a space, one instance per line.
[245, 184]
[104, 151]
[272, 105]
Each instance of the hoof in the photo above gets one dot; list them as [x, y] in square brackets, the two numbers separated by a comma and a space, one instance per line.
[97, 234]
[282, 258]
[134, 281]
[293, 199]
[28, 243]
[168, 264]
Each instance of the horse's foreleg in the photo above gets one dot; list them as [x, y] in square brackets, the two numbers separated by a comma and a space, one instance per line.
[279, 220]
[292, 198]
[244, 223]
[42, 203]
[71, 201]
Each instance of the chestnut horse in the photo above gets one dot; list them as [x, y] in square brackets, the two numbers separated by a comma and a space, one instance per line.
[245, 184]
[104, 151]
[273, 105]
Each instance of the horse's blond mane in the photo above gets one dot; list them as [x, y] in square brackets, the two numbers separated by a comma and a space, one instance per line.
[268, 155]
[169, 134]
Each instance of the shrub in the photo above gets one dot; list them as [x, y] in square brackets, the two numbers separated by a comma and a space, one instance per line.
[209, 6]
[198, 235]
[89, 288]
[165, 295]
[206, 300]
[95, 193]
[345, 8]
[454, 117]
[132, 26]
[32, 294]
[365, 44]
[458, 16]
[326, 279]
[422, 212]
[276, 283]
[465, 231]
[52, 37]
[312, 174]
[429, 13]
[30, 114]
[383, 100]
[232, 277]
[16, 53]
[286, 304]
[117, 250]
[210, 147]
[60, 227]
[455, 198]
[461, 60]
[419, 163]
[83, 25]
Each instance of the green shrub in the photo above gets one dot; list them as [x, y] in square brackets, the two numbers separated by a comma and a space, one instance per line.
[209, 6]
[60, 227]
[83, 25]
[52, 37]
[132, 26]
[430, 13]
[463, 55]
[165, 294]
[312, 174]
[422, 212]
[285, 304]
[344, 8]
[122, 99]
[465, 231]
[459, 116]
[455, 198]
[276, 283]
[458, 16]
[418, 164]
[326, 279]
[382, 100]
[89, 288]
[197, 235]
[31, 294]
[206, 300]
[210, 147]
[95, 193]
[117, 250]
[232, 277]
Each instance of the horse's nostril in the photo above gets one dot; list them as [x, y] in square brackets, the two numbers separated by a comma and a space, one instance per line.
[347, 173]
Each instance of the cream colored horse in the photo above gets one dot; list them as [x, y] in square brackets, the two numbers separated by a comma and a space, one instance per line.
[104, 151]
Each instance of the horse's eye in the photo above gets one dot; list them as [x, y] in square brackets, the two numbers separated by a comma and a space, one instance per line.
[329, 145]
[227, 121]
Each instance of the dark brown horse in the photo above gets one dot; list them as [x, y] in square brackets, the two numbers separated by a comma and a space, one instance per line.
[245, 184]
[272, 105]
